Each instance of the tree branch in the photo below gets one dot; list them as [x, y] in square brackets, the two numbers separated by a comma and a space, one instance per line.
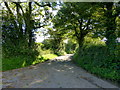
[80, 22]
[30, 8]
[43, 5]
[39, 26]
[18, 4]
[8, 8]
[88, 23]
[14, 22]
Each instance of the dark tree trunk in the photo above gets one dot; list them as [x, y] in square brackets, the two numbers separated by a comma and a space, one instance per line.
[19, 19]
[29, 25]
[80, 41]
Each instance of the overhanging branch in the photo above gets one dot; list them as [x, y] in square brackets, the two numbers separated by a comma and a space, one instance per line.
[43, 5]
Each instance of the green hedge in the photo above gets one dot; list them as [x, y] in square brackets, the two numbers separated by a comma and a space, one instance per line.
[95, 58]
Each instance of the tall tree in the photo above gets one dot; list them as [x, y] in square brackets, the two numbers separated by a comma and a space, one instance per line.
[76, 18]
[21, 20]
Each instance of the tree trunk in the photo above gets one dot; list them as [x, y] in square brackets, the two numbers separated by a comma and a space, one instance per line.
[80, 41]
[29, 25]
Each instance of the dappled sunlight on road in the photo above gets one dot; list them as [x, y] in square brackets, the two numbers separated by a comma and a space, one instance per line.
[57, 73]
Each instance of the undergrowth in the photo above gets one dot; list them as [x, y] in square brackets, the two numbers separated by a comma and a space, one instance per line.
[23, 61]
[94, 57]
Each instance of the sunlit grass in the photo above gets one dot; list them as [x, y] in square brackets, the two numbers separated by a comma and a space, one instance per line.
[44, 58]
[49, 56]
[22, 61]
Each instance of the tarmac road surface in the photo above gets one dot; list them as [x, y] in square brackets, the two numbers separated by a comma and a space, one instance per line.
[57, 73]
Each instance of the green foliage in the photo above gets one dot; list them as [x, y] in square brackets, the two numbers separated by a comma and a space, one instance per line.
[26, 57]
[60, 53]
[10, 52]
[55, 46]
[44, 58]
[18, 38]
[71, 46]
[23, 61]
[75, 19]
[41, 48]
[49, 56]
[94, 57]
[15, 62]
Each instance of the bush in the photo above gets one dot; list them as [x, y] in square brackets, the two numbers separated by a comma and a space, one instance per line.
[94, 57]
[70, 47]
[44, 58]
[15, 62]
[23, 61]
[60, 53]
[17, 58]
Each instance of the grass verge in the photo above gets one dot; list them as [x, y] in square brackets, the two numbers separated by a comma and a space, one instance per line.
[23, 61]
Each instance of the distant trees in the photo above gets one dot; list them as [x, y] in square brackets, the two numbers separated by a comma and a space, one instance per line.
[55, 42]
